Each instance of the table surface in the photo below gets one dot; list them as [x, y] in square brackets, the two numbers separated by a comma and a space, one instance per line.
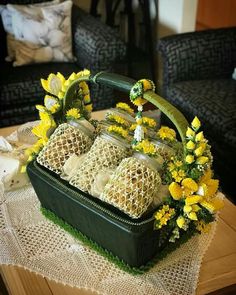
[218, 268]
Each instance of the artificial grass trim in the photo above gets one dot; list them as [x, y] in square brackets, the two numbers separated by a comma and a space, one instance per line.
[108, 255]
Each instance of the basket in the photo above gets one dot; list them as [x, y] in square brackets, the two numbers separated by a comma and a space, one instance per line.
[132, 243]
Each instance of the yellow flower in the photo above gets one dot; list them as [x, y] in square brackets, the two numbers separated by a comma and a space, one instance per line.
[175, 191]
[117, 119]
[171, 166]
[194, 199]
[180, 222]
[190, 145]
[73, 114]
[125, 107]
[85, 72]
[196, 123]
[139, 121]
[84, 87]
[181, 173]
[203, 227]
[190, 133]
[139, 101]
[199, 137]
[202, 160]
[146, 147]
[54, 83]
[199, 151]
[166, 133]
[89, 108]
[189, 159]
[163, 215]
[149, 122]
[118, 130]
[87, 98]
[189, 185]
[178, 163]
[51, 103]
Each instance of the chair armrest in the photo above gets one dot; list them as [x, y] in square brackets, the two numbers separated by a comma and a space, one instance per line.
[198, 55]
[96, 46]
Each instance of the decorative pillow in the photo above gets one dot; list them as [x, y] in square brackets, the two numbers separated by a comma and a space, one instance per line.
[31, 9]
[40, 37]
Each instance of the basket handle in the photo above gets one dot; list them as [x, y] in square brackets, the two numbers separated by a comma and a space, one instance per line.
[125, 84]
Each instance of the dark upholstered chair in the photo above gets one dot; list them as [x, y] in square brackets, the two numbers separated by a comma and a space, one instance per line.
[198, 80]
[96, 46]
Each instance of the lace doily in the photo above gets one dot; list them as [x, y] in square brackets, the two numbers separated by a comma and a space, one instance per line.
[29, 240]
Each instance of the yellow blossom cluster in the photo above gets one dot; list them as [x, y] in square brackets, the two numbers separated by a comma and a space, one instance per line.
[118, 131]
[146, 147]
[125, 107]
[196, 145]
[73, 114]
[196, 196]
[118, 119]
[166, 133]
[149, 122]
[163, 215]
[176, 169]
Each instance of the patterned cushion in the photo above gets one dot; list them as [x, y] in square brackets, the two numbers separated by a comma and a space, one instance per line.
[213, 101]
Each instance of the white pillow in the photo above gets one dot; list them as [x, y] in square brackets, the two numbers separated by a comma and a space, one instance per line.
[40, 33]
[31, 9]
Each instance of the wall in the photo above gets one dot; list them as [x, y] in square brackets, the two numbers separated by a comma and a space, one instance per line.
[176, 16]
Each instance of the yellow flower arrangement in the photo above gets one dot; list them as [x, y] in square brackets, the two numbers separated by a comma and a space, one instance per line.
[125, 107]
[146, 147]
[166, 133]
[117, 130]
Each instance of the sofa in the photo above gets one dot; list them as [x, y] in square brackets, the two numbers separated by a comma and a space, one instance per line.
[96, 47]
[197, 79]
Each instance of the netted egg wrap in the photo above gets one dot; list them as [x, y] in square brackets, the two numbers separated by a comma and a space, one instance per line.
[132, 187]
[106, 152]
[65, 141]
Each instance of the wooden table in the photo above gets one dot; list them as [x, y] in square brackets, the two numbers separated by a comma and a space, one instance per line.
[218, 269]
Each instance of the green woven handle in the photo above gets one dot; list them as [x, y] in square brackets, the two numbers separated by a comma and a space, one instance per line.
[125, 84]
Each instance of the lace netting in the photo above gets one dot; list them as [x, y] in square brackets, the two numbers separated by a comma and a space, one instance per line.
[132, 187]
[63, 259]
[103, 154]
[65, 141]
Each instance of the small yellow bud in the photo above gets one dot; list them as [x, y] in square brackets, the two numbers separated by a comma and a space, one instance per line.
[202, 160]
[180, 221]
[187, 208]
[196, 124]
[199, 137]
[190, 145]
[192, 216]
[190, 133]
[189, 159]
[199, 151]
